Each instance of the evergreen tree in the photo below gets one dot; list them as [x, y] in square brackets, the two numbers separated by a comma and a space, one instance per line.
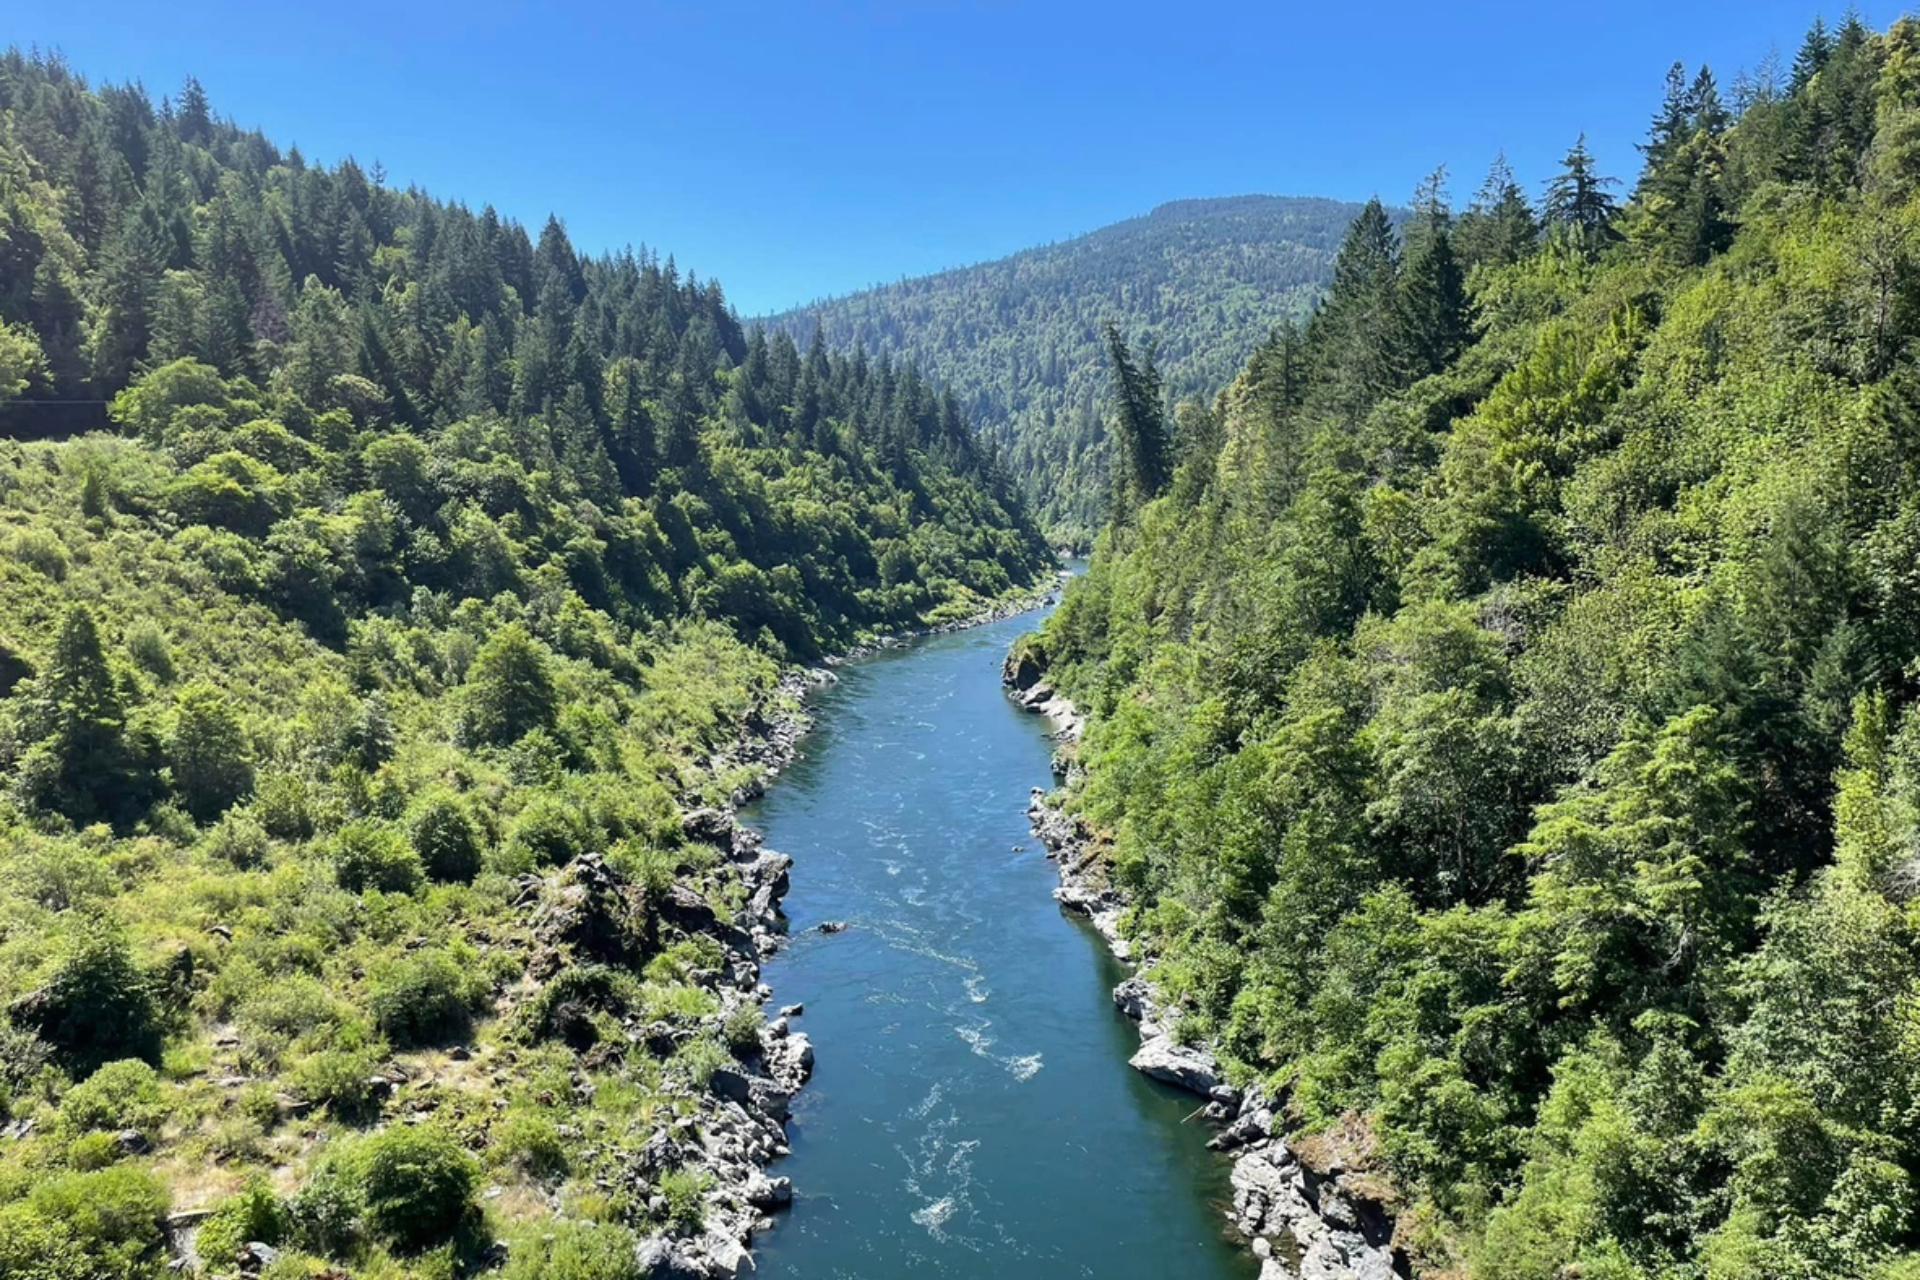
[1432, 295]
[510, 691]
[1579, 204]
[82, 763]
[1499, 227]
[1355, 334]
[1139, 421]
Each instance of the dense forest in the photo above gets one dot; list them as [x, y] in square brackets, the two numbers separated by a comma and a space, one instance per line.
[1203, 282]
[356, 681]
[1503, 698]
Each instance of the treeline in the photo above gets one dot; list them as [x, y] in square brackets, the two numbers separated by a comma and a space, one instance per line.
[354, 683]
[1020, 339]
[1503, 698]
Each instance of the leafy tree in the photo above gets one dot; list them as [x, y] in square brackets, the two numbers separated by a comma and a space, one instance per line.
[510, 690]
[211, 759]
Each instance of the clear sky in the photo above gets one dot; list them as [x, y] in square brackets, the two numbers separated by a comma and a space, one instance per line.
[796, 149]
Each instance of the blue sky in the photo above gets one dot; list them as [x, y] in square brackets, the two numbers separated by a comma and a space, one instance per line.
[796, 149]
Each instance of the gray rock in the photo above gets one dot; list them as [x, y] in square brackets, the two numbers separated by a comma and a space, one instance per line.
[1176, 1064]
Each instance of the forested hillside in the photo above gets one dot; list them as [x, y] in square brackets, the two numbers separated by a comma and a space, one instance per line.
[1504, 700]
[1020, 340]
[354, 689]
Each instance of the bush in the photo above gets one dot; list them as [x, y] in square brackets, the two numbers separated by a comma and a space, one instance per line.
[97, 1007]
[238, 840]
[741, 1030]
[372, 855]
[575, 1251]
[100, 1225]
[443, 834]
[254, 1213]
[120, 1095]
[147, 646]
[529, 1141]
[338, 1080]
[284, 808]
[550, 831]
[417, 1186]
[686, 1194]
[422, 999]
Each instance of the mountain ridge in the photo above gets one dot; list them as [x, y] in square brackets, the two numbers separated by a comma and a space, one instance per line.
[1203, 279]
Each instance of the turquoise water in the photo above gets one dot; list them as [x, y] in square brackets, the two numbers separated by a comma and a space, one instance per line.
[971, 1113]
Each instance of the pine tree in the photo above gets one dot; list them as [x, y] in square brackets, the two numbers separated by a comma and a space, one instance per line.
[1355, 334]
[1432, 296]
[1140, 424]
[1578, 202]
[1813, 55]
[81, 764]
[1669, 129]
[1499, 227]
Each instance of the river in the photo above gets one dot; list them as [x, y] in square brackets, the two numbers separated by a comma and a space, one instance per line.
[972, 1113]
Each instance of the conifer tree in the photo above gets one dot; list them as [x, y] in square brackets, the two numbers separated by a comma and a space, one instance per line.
[1432, 296]
[1579, 204]
[1499, 227]
[1140, 424]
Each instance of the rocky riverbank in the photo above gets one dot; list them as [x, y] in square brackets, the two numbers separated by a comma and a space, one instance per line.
[1307, 1216]
[740, 1125]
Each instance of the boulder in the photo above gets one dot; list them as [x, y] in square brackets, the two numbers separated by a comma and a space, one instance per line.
[1171, 1062]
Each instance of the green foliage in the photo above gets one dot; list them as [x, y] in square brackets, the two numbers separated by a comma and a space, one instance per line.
[444, 837]
[96, 1005]
[253, 1213]
[212, 760]
[101, 1225]
[574, 1251]
[374, 855]
[120, 1095]
[1505, 722]
[425, 998]
[510, 689]
[416, 1184]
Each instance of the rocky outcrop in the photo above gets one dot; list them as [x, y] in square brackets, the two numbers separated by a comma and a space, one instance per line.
[1313, 1225]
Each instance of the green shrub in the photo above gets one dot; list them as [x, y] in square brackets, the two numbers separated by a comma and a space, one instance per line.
[211, 758]
[417, 1185]
[253, 1213]
[239, 840]
[551, 831]
[340, 1080]
[284, 807]
[529, 1141]
[574, 1251]
[422, 999]
[93, 1151]
[686, 1195]
[741, 1031]
[147, 646]
[443, 834]
[373, 855]
[325, 1215]
[98, 1006]
[510, 689]
[120, 1095]
[102, 1225]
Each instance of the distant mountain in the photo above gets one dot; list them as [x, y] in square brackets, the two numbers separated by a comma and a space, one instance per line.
[1018, 339]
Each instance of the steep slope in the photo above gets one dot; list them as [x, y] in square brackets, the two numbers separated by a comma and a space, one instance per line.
[1019, 340]
[370, 700]
[1508, 737]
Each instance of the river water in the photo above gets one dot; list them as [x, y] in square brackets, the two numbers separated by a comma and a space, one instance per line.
[971, 1113]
